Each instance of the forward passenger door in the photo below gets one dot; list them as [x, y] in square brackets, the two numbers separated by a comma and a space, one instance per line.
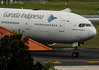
[62, 26]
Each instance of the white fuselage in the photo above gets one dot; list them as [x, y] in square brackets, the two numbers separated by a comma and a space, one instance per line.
[48, 26]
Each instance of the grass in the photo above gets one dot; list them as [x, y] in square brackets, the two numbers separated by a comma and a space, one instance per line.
[82, 8]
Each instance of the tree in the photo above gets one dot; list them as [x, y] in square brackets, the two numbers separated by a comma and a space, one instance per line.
[14, 54]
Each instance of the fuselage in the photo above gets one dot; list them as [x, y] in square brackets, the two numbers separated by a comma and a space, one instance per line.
[48, 26]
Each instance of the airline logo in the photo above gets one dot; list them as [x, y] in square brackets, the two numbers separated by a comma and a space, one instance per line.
[23, 15]
[51, 17]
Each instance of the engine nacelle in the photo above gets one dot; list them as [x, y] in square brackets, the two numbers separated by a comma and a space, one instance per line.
[50, 44]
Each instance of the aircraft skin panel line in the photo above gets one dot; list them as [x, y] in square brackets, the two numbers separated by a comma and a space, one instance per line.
[49, 27]
[36, 25]
[33, 45]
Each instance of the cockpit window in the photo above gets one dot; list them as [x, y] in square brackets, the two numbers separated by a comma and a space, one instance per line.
[81, 25]
[88, 25]
[84, 25]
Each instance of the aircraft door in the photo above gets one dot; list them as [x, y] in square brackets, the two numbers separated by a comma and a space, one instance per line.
[27, 29]
[62, 26]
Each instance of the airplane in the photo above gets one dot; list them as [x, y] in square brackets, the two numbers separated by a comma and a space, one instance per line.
[49, 27]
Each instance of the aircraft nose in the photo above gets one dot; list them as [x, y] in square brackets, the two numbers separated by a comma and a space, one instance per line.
[92, 32]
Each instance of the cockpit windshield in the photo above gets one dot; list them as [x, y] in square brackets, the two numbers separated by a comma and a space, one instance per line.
[84, 25]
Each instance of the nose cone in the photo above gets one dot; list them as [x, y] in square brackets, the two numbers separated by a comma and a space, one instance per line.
[92, 32]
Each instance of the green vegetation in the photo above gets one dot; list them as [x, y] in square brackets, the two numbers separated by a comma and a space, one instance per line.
[91, 44]
[14, 55]
[82, 8]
